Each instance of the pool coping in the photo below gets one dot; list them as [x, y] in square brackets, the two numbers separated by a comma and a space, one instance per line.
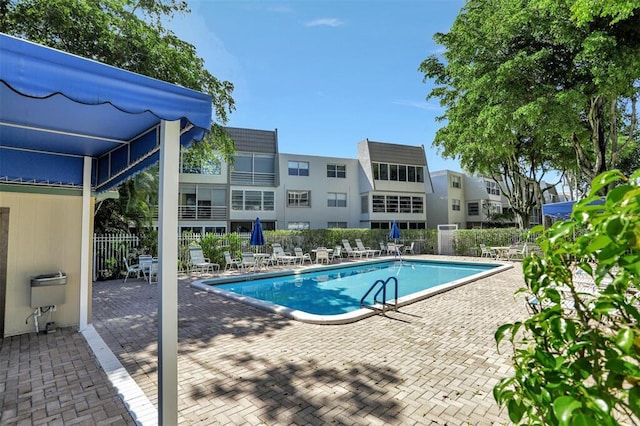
[348, 317]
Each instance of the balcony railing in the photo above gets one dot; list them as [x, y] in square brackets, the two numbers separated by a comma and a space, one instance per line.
[199, 212]
[258, 179]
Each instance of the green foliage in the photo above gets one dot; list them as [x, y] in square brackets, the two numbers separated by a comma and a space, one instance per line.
[128, 34]
[579, 364]
[527, 89]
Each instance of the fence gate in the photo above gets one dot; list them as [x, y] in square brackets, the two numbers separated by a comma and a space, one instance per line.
[445, 239]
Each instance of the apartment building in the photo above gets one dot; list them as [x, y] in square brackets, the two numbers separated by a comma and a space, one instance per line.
[467, 201]
[317, 192]
[394, 181]
[289, 191]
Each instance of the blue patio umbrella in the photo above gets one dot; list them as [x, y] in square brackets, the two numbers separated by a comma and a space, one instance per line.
[394, 234]
[257, 237]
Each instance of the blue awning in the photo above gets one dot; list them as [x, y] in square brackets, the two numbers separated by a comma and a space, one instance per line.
[558, 210]
[564, 209]
[56, 108]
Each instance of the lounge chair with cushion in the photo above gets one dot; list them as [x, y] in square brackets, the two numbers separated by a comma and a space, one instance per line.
[199, 262]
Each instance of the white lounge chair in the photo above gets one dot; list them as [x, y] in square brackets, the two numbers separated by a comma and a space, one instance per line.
[351, 252]
[367, 250]
[283, 256]
[199, 262]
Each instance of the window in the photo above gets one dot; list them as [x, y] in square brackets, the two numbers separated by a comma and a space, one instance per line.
[298, 198]
[364, 204]
[392, 204]
[336, 199]
[378, 204]
[252, 200]
[455, 205]
[336, 170]
[398, 172]
[417, 205]
[384, 171]
[455, 182]
[253, 169]
[298, 225]
[473, 209]
[492, 187]
[405, 204]
[298, 168]
[337, 225]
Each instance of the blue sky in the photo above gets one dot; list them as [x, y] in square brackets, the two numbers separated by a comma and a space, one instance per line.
[326, 74]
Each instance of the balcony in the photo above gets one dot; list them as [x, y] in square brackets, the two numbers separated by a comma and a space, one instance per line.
[199, 212]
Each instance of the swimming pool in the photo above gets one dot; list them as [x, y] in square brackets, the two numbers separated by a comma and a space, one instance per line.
[332, 294]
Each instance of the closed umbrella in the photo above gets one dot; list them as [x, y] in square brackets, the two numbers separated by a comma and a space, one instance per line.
[257, 237]
[394, 234]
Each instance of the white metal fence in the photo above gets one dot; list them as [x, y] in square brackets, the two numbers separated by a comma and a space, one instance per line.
[110, 249]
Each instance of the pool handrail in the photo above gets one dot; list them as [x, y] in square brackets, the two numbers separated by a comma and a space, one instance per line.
[383, 288]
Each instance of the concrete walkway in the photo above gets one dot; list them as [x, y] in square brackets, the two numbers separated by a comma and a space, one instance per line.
[433, 363]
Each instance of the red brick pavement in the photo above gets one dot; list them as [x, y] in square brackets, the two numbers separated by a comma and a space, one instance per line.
[433, 363]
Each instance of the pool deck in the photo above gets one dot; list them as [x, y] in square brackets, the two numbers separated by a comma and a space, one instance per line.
[433, 363]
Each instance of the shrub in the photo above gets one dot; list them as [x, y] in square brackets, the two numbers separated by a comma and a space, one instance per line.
[580, 366]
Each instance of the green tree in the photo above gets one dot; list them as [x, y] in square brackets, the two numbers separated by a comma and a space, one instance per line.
[128, 34]
[577, 357]
[528, 88]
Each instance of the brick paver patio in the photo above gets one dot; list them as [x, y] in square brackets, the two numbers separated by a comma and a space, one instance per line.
[434, 362]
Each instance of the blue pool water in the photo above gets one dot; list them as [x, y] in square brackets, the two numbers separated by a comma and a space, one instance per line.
[338, 291]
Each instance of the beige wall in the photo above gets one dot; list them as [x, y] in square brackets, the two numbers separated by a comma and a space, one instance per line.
[44, 237]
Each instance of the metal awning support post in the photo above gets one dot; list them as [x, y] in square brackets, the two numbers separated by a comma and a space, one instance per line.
[85, 245]
[168, 274]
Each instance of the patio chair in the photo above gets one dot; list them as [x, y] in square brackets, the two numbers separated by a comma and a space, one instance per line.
[517, 251]
[409, 249]
[230, 262]
[248, 261]
[302, 256]
[351, 252]
[145, 261]
[131, 269]
[367, 250]
[322, 255]
[487, 252]
[336, 254]
[199, 262]
[383, 248]
[282, 256]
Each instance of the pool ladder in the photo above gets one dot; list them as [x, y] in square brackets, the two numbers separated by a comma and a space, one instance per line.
[382, 305]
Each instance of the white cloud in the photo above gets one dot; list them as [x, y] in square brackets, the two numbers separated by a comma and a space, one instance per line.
[325, 22]
[418, 104]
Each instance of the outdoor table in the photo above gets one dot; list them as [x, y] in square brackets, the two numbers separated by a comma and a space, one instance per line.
[501, 251]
